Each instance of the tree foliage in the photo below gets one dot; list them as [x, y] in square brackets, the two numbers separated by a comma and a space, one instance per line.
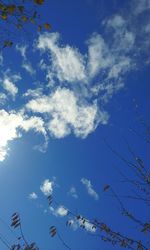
[18, 16]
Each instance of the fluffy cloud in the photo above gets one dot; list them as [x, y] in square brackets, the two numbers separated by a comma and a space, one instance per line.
[67, 64]
[116, 22]
[77, 107]
[81, 83]
[12, 124]
[67, 113]
[47, 187]
[89, 188]
[107, 61]
[59, 211]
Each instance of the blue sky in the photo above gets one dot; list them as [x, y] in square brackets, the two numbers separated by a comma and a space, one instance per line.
[62, 93]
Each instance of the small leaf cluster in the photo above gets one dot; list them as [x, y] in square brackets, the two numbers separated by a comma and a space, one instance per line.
[19, 15]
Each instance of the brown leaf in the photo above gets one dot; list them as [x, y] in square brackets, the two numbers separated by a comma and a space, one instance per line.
[47, 26]
[39, 1]
[53, 231]
[106, 188]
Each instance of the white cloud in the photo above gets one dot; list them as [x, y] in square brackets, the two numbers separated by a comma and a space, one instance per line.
[28, 67]
[116, 22]
[73, 192]
[59, 211]
[73, 223]
[109, 61]
[96, 76]
[26, 63]
[87, 225]
[47, 187]
[109, 90]
[22, 49]
[99, 57]
[67, 63]
[89, 187]
[35, 93]
[3, 98]
[82, 223]
[33, 196]
[8, 82]
[141, 6]
[67, 113]
[10, 87]
[12, 125]
[1, 59]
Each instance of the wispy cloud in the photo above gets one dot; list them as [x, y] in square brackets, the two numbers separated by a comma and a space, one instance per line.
[3, 98]
[89, 188]
[28, 67]
[67, 62]
[1, 59]
[72, 192]
[22, 49]
[10, 87]
[33, 196]
[26, 64]
[8, 81]
[141, 6]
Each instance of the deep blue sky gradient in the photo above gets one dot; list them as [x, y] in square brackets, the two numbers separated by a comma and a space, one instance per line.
[69, 159]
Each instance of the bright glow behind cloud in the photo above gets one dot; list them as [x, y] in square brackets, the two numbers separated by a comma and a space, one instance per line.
[12, 124]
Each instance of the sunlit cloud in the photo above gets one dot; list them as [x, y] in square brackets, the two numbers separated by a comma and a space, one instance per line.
[71, 96]
[67, 113]
[47, 187]
[12, 126]
[59, 211]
